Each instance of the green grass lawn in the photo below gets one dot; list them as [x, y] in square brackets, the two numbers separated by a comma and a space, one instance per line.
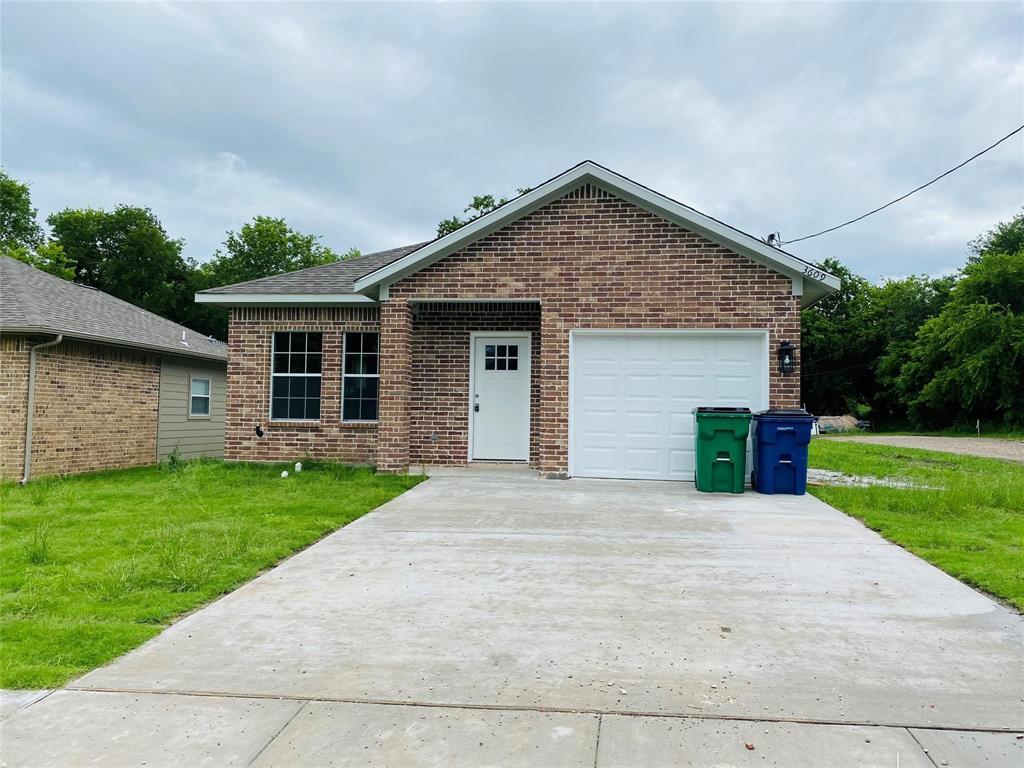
[92, 566]
[971, 524]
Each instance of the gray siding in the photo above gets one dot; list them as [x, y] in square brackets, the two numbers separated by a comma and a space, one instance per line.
[192, 436]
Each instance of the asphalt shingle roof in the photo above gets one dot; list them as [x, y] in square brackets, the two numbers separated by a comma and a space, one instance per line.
[338, 277]
[33, 301]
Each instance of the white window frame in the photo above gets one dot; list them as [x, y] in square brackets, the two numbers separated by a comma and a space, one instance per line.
[270, 393]
[344, 348]
[209, 397]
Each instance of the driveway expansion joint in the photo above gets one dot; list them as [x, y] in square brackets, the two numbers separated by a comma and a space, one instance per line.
[547, 710]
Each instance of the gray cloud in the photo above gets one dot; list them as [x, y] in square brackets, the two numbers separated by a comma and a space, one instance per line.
[369, 123]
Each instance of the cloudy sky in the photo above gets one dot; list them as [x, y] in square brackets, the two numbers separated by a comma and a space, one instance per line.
[367, 123]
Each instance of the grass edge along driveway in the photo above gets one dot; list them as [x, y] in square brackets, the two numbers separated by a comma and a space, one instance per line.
[969, 521]
[94, 565]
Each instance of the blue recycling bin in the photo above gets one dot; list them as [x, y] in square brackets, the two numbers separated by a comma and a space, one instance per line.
[781, 437]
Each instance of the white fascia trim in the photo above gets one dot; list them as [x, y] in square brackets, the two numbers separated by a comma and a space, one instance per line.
[628, 190]
[283, 299]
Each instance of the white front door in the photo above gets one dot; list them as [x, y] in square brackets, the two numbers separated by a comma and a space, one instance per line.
[632, 395]
[500, 397]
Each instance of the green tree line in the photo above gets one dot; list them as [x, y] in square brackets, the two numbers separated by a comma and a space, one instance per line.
[127, 253]
[924, 352]
[920, 351]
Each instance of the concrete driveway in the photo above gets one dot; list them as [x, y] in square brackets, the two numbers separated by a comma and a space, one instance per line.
[506, 620]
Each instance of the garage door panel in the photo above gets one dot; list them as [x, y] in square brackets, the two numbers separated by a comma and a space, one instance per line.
[642, 424]
[595, 424]
[734, 388]
[600, 460]
[642, 387]
[680, 424]
[681, 462]
[598, 385]
[642, 460]
[633, 395]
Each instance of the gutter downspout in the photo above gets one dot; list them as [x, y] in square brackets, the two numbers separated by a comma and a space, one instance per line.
[32, 401]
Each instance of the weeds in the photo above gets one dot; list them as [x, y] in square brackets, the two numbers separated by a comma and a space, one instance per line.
[37, 547]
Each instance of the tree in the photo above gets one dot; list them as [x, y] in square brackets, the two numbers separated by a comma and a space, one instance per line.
[18, 225]
[480, 205]
[126, 253]
[1006, 237]
[48, 257]
[834, 372]
[21, 237]
[967, 362]
[895, 312]
[263, 247]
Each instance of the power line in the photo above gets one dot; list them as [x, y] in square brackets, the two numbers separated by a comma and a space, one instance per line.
[774, 238]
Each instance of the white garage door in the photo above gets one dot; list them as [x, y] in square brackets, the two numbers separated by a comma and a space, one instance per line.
[632, 396]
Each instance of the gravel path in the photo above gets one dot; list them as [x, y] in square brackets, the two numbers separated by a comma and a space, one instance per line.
[987, 447]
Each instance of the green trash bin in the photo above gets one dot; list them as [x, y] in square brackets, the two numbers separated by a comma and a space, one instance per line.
[721, 450]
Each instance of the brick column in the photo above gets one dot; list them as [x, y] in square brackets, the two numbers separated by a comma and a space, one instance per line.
[554, 398]
[395, 360]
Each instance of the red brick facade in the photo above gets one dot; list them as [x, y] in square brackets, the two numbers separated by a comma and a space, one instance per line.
[249, 342]
[587, 260]
[438, 431]
[96, 407]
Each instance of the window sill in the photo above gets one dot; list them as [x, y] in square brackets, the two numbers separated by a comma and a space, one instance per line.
[358, 424]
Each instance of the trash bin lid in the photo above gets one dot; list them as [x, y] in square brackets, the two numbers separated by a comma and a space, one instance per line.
[722, 411]
[784, 413]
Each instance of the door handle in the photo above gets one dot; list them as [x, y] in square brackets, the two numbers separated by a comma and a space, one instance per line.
[476, 407]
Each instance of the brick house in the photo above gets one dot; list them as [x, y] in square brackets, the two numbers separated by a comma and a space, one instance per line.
[90, 382]
[573, 328]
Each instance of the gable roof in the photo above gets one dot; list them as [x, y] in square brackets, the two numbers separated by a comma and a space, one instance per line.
[810, 281]
[32, 301]
[364, 280]
[325, 280]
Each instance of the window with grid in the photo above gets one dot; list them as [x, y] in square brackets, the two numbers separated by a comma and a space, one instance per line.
[360, 377]
[295, 375]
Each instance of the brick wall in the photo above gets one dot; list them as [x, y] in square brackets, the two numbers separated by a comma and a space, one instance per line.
[13, 404]
[596, 261]
[439, 409]
[248, 402]
[95, 408]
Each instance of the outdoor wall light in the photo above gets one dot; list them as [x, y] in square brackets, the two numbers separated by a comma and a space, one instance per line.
[787, 357]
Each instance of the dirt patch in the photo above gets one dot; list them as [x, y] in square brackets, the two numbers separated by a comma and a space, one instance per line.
[830, 477]
[986, 447]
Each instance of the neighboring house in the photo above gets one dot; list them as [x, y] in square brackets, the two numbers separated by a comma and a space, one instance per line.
[121, 387]
[573, 328]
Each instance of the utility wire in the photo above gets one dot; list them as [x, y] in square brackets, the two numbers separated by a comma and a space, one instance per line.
[778, 241]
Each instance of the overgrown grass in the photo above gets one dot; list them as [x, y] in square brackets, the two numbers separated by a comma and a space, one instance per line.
[92, 566]
[970, 523]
